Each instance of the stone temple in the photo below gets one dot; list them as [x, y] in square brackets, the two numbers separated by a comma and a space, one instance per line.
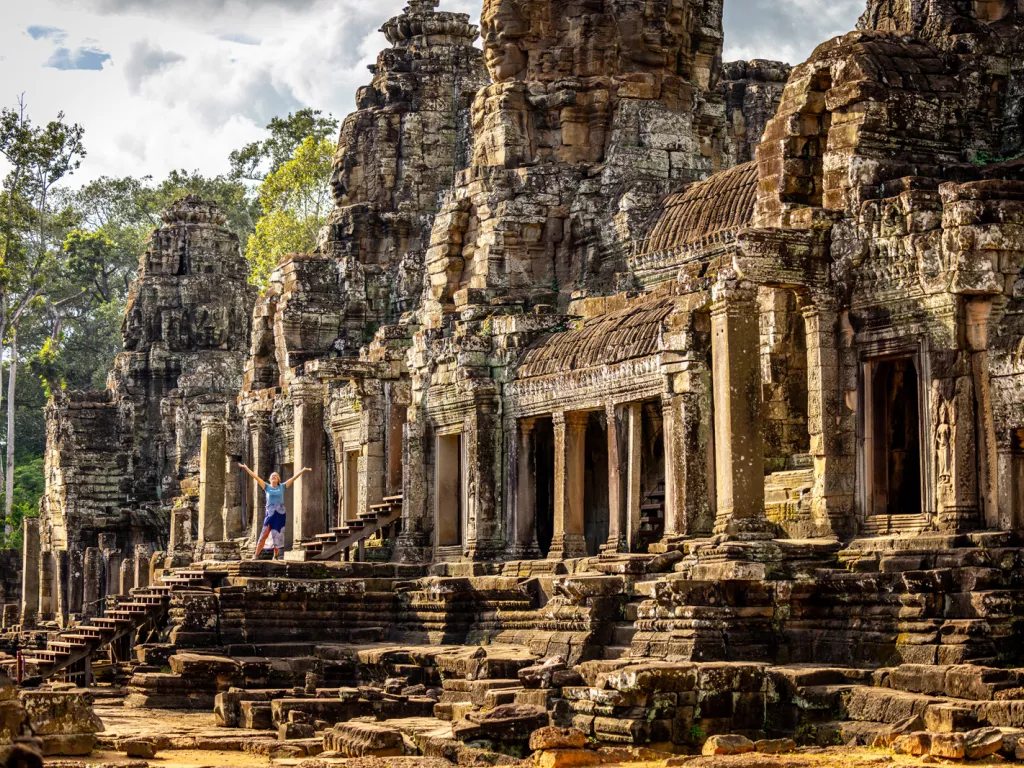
[648, 396]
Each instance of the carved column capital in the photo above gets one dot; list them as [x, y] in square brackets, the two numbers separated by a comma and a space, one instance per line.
[731, 295]
[307, 393]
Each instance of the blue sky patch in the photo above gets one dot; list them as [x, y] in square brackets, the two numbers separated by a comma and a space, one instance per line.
[79, 58]
[40, 32]
[243, 39]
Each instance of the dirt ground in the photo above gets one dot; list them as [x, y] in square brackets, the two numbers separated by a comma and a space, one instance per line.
[197, 743]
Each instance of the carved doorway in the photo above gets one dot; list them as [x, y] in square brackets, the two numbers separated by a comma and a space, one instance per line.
[895, 429]
[448, 489]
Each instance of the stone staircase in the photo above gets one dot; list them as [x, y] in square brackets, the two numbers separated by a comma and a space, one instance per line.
[348, 541]
[76, 644]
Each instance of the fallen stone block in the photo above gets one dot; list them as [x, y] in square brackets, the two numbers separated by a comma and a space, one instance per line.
[565, 758]
[290, 731]
[727, 744]
[982, 742]
[949, 718]
[141, 748]
[359, 739]
[774, 746]
[551, 737]
[893, 732]
[917, 744]
[949, 745]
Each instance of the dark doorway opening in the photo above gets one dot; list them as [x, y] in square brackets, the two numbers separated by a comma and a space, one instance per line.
[895, 431]
[652, 474]
[448, 489]
[595, 484]
[544, 475]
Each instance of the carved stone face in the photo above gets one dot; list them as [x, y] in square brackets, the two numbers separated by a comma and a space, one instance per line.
[503, 25]
[652, 33]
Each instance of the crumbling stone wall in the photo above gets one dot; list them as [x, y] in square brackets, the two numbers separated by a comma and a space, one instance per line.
[752, 93]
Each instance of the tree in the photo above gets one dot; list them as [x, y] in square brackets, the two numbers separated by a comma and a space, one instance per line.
[259, 159]
[296, 199]
[39, 158]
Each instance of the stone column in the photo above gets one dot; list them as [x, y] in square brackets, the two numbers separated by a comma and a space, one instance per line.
[482, 456]
[309, 446]
[211, 478]
[954, 453]
[261, 440]
[524, 492]
[633, 470]
[233, 527]
[113, 571]
[94, 580]
[76, 580]
[829, 424]
[142, 558]
[689, 448]
[978, 315]
[30, 571]
[181, 530]
[618, 521]
[413, 542]
[570, 434]
[127, 576]
[45, 586]
[739, 450]
[61, 593]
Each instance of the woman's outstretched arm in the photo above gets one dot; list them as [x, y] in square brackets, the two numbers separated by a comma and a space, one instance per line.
[296, 476]
[254, 476]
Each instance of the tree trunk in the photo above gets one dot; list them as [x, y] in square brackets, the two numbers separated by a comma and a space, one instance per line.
[12, 381]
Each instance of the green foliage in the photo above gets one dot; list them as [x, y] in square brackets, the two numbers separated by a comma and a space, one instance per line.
[987, 158]
[230, 194]
[29, 483]
[257, 160]
[295, 199]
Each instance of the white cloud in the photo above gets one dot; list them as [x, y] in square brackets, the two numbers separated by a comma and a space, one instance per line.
[183, 82]
[145, 60]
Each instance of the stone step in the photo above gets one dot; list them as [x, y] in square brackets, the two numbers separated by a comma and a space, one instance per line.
[612, 652]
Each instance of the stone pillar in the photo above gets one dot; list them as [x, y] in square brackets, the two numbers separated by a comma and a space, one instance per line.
[309, 448]
[829, 424]
[739, 450]
[954, 452]
[181, 530]
[76, 580]
[570, 434]
[413, 543]
[524, 491]
[45, 586]
[618, 522]
[482, 454]
[233, 527]
[94, 581]
[30, 571]
[61, 594]
[113, 571]
[127, 576]
[211, 478]
[978, 314]
[261, 440]
[633, 471]
[156, 563]
[143, 554]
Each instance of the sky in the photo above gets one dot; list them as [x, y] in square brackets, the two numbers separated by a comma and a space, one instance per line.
[165, 84]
